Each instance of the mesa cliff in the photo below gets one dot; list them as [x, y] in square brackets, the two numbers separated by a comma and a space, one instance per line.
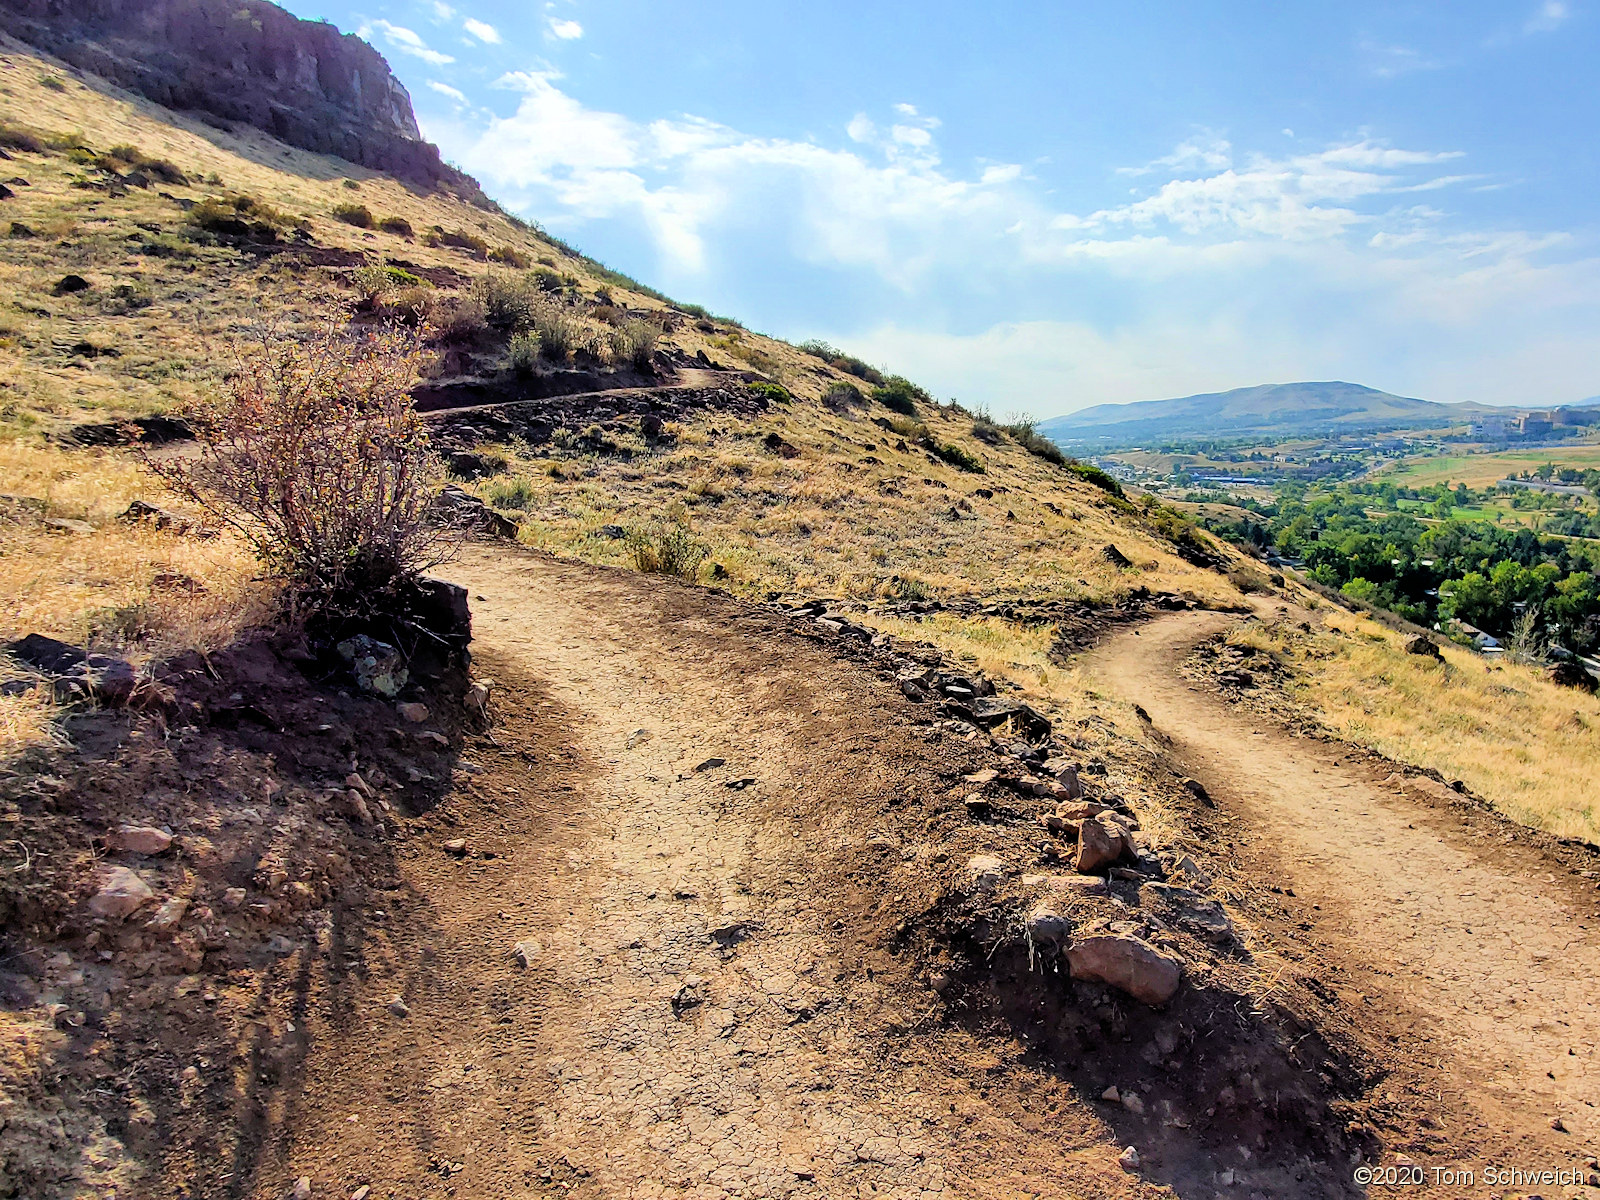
[246, 62]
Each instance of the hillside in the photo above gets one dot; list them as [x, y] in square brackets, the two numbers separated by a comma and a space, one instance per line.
[1278, 409]
[778, 834]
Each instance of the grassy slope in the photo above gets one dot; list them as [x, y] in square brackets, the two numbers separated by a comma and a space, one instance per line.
[1485, 470]
[830, 521]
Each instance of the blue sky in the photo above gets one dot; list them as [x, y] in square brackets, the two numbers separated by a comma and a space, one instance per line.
[1041, 207]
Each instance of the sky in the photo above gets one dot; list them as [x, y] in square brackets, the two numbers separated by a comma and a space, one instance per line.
[1039, 207]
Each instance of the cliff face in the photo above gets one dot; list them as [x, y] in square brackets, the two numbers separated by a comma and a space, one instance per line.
[249, 62]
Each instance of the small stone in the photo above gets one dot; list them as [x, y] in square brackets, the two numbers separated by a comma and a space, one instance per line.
[434, 736]
[636, 737]
[1128, 1160]
[398, 1007]
[525, 953]
[122, 893]
[1111, 1095]
[354, 780]
[361, 1193]
[413, 712]
[168, 915]
[302, 1189]
[985, 872]
[939, 982]
[143, 839]
[1131, 1102]
[455, 846]
[710, 764]
[233, 897]
[1558, 1125]
[1048, 924]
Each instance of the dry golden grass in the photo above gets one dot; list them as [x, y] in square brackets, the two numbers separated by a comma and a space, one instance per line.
[1524, 743]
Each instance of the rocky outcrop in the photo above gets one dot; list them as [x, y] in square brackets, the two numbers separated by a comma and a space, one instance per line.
[250, 63]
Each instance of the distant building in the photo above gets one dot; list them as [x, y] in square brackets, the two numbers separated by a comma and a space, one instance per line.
[1496, 425]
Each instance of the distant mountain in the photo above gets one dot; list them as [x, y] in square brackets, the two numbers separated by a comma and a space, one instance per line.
[1279, 409]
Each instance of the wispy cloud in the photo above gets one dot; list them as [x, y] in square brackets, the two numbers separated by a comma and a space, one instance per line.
[406, 41]
[444, 89]
[565, 30]
[1551, 14]
[482, 31]
[1389, 61]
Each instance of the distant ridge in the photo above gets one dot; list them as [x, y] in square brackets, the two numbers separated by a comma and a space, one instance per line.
[1272, 408]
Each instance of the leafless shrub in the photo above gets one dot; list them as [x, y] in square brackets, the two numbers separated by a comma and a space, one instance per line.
[316, 456]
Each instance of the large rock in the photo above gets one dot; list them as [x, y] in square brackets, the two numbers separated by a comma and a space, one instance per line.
[122, 893]
[1048, 923]
[1127, 963]
[1571, 673]
[1424, 646]
[1101, 843]
[74, 675]
[464, 511]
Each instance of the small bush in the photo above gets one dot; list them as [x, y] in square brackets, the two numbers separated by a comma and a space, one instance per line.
[1025, 431]
[1090, 473]
[316, 455]
[126, 158]
[898, 394]
[842, 397]
[358, 215]
[961, 459]
[840, 361]
[164, 245]
[396, 225]
[408, 305]
[509, 255]
[53, 82]
[775, 393]
[509, 492]
[1247, 581]
[560, 333]
[675, 552]
[372, 282]
[525, 350]
[464, 321]
[906, 427]
[239, 217]
[633, 342]
[509, 299]
[461, 240]
[13, 137]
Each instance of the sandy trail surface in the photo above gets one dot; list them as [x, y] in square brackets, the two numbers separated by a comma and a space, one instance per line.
[708, 1009]
[1478, 947]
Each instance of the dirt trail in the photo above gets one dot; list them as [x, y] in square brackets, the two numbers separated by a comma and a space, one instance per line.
[1430, 930]
[709, 1010]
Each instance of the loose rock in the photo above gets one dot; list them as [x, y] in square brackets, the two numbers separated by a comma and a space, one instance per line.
[1127, 963]
[985, 872]
[413, 712]
[122, 893]
[142, 839]
[1101, 842]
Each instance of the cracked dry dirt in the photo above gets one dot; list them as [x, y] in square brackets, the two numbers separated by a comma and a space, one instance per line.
[1471, 949]
[709, 1010]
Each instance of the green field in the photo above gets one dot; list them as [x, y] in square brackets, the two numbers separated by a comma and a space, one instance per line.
[1482, 470]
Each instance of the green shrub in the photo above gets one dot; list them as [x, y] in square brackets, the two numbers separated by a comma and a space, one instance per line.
[961, 459]
[898, 394]
[461, 240]
[675, 552]
[465, 320]
[509, 492]
[53, 82]
[238, 217]
[1090, 473]
[1025, 431]
[509, 299]
[509, 255]
[633, 342]
[396, 225]
[358, 215]
[775, 393]
[906, 427]
[525, 348]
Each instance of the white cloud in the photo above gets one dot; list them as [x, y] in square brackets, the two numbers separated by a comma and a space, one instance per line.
[1392, 61]
[565, 30]
[407, 41]
[1225, 267]
[444, 89]
[483, 32]
[442, 12]
[1549, 15]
